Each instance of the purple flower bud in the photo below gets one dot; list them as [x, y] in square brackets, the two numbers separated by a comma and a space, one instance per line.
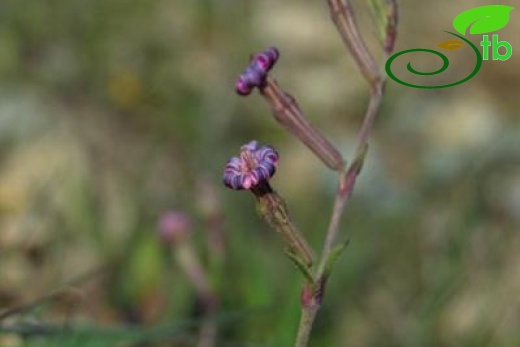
[266, 59]
[242, 87]
[256, 72]
[256, 164]
[173, 226]
[253, 76]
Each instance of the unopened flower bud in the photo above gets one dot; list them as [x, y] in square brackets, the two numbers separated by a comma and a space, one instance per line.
[256, 72]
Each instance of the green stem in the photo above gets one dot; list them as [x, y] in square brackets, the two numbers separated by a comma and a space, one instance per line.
[306, 322]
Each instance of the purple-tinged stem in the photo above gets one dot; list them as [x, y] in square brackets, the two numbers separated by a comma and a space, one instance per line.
[347, 179]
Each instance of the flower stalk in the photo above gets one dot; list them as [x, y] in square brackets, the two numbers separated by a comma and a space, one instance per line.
[273, 210]
[174, 231]
[287, 112]
[191, 266]
[343, 16]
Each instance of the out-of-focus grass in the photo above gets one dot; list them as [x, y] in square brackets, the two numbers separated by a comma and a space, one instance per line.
[112, 112]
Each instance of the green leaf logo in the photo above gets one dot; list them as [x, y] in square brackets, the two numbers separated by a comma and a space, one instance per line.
[483, 19]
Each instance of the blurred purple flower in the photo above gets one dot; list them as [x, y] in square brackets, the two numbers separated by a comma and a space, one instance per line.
[173, 225]
[256, 72]
[256, 164]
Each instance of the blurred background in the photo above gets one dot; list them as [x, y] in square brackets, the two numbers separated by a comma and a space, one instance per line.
[114, 112]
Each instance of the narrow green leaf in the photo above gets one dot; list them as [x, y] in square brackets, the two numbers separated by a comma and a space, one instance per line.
[300, 265]
[333, 257]
[483, 19]
[378, 14]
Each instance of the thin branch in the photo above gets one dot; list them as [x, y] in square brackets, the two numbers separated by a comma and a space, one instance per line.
[347, 179]
[343, 17]
[287, 112]
[333, 229]
[190, 264]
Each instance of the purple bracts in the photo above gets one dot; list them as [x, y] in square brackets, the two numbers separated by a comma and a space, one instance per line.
[255, 74]
[254, 165]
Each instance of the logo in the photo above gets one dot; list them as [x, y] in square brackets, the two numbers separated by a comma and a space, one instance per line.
[480, 21]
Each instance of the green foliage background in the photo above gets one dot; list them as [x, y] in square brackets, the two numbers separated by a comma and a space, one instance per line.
[113, 112]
